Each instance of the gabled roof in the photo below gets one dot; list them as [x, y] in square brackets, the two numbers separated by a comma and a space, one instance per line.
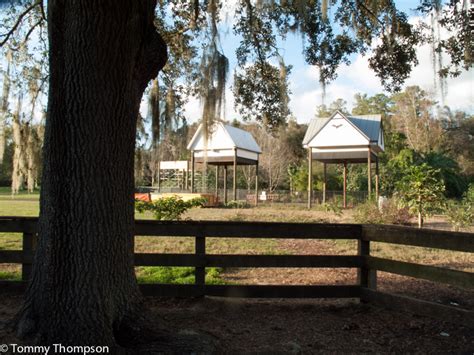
[368, 125]
[237, 138]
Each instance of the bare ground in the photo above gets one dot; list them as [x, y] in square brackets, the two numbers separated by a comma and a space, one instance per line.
[294, 326]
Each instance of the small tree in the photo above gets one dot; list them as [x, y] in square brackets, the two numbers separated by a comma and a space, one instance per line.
[169, 208]
[421, 190]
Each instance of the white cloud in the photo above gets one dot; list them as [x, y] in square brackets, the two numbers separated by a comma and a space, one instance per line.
[306, 92]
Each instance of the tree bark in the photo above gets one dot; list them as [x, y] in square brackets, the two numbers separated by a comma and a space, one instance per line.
[83, 289]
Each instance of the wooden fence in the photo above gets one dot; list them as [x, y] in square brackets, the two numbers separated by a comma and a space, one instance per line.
[365, 289]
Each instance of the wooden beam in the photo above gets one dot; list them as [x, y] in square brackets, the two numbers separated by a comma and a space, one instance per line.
[16, 257]
[429, 238]
[200, 251]
[256, 184]
[186, 177]
[426, 272]
[414, 306]
[18, 224]
[377, 180]
[159, 177]
[344, 193]
[248, 229]
[29, 245]
[225, 184]
[247, 291]
[369, 174]
[217, 182]
[366, 277]
[324, 182]
[192, 171]
[234, 187]
[310, 177]
[253, 261]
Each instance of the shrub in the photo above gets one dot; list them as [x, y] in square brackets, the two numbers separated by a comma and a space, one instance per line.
[333, 206]
[368, 213]
[460, 215]
[469, 195]
[393, 213]
[168, 208]
[237, 204]
[390, 213]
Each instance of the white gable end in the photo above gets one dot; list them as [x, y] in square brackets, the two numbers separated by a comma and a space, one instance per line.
[219, 139]
[338, 132]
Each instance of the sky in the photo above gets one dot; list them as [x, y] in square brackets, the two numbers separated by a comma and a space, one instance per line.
[306, 92]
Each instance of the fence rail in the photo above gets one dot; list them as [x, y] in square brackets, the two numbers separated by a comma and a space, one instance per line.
[365, 289]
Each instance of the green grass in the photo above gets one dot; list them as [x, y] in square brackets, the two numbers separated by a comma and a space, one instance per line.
[10, 275]
[175, 275]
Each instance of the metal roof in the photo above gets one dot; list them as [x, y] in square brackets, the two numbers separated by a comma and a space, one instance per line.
[369, 125]
[315, 125]
[238, 138]
[242, 139]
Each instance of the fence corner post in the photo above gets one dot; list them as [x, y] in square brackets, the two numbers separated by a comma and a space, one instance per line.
[29, 245]
[366, 277]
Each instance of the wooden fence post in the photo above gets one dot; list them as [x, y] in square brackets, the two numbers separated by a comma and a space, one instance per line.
[200, 271]
[29, 245]
[366, 278]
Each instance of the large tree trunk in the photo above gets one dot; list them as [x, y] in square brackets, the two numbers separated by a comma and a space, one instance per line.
[102, 55]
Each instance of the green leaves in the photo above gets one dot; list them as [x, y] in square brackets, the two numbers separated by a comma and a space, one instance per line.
[421, 189]
[169, 208]
[261, 94]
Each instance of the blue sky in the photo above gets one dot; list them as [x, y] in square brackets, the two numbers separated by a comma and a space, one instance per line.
[357, 77]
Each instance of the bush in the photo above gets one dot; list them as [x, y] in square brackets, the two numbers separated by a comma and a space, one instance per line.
[168, 208]
[237, 204]
[368, 213]
[460, 215]
[333, 206]
[389, 213]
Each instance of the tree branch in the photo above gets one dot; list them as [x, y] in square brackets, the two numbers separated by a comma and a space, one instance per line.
[18, 21]
[30, 31]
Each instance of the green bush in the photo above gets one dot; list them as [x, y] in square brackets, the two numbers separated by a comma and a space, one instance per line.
[460, 215]
[390, 213]
[469, 195]
[168, 208]
[332, 206]
[368, 213]
[237, 204]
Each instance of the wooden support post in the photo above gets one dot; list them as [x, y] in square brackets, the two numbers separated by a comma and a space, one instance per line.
[366, 277]
[186, 177]
[344, 192]
[159, 177]
[29, 245]
[377, 180]
[324, 182]
[225, 184]
[200, 271]
[369, 174]
[310, 177]
[217, 182]
[192, 171]
[256, 184]
[234, 187]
